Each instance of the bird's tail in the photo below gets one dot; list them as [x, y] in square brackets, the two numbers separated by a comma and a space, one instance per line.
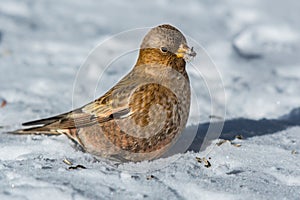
[41, 126]
[37, 131]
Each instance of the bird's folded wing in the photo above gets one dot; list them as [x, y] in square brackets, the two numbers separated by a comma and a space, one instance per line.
[101, 110]
[81, 117]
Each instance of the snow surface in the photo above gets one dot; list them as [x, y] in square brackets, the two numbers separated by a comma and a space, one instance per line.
[254, 45]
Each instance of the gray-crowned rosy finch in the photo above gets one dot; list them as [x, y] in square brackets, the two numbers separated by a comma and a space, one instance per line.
[143, 114]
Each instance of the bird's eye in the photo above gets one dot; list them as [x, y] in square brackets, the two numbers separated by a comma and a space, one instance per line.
[164, 49]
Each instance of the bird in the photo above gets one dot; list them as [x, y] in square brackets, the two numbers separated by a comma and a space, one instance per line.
[141, 116]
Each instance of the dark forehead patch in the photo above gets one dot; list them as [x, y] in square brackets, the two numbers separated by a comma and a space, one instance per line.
[167, 26]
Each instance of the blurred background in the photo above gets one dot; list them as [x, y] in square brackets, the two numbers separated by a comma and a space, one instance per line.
[254, 45]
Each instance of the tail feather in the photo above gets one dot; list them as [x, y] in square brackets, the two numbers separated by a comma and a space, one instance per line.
[44, 121]
[45, 130]
[42, 126]
[36, 130]
[39, 122]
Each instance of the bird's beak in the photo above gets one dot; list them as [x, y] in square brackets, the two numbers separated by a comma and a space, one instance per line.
[185, 52]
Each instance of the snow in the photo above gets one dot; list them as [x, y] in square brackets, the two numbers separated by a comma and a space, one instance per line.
[247, 65]
[263, 40]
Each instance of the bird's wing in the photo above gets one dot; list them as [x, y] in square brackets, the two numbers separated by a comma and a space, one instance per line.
[88, 115]
[112, 105]
[115, 102]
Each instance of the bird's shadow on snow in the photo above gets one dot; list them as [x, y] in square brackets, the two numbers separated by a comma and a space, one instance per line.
[233, 127]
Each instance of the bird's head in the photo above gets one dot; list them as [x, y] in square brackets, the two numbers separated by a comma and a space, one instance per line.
[164, 45]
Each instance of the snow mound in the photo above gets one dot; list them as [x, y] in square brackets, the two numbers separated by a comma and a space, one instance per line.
[265, 40]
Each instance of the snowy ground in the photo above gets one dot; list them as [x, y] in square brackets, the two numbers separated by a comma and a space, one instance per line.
[255, 45]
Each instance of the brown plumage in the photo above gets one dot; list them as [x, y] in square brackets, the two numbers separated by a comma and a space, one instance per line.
[143, 114]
